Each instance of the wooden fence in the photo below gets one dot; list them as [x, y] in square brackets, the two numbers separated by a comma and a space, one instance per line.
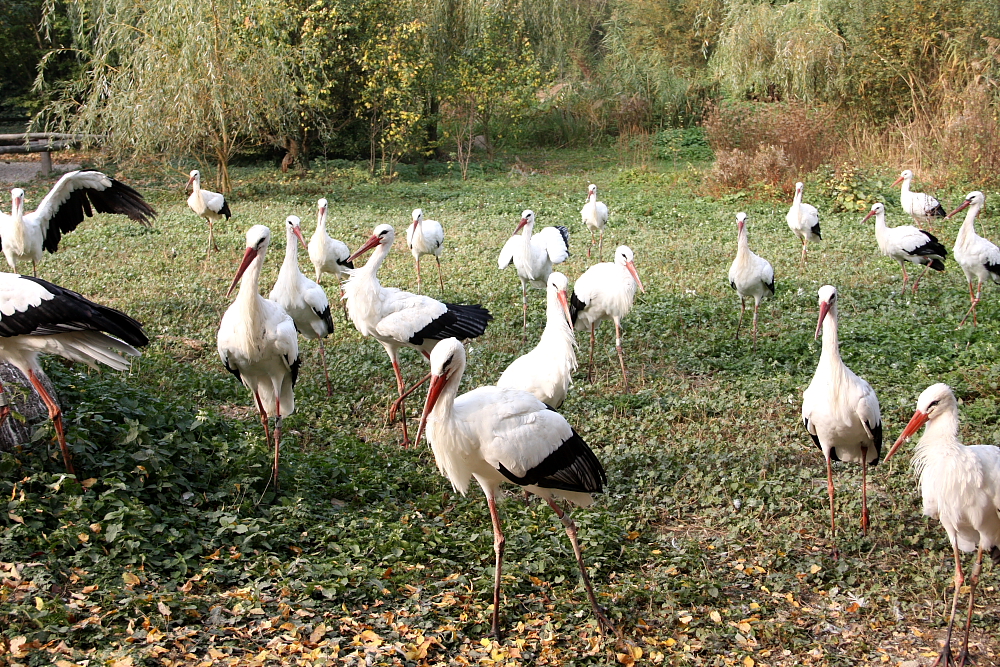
[39, 142]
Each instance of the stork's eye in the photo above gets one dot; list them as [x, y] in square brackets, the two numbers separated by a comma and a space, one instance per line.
[932, 404]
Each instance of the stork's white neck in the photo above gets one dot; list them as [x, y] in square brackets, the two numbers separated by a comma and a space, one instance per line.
[797, 204]
[969, 226]
[249, 299]
[321, 223]
[442, 411]
[291, 251]
[940, 437]
[905, 191]
[831, 345]
[557, 329]
[742, 242]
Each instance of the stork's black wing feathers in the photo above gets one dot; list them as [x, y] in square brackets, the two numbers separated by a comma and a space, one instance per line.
[69, 311]
[992, 268]
[815, 230]
[564, 232]
[119, 198]
[932, 248]
[571, 467]
[939, 212]
[877, 436]
[225, 210]
[459, 321]
[294, 364]
[232, 369]
[575, 306]
[349, 265]
[327, 318]
[769, 286]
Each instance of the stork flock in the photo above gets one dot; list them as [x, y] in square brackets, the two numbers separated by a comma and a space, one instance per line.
[510, 433]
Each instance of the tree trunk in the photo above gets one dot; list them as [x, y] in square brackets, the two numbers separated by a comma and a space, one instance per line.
[433, 138]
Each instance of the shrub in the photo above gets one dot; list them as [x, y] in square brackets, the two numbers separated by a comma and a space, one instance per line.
[688, 144]
[739, 169]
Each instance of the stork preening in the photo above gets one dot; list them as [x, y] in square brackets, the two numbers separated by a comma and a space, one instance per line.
[923, 208]
[840, 410]
[906, 243]
[499, 436]
[209, 205]
[74, 196]
[803, 220]
[302, 299]
[595, 217]
[258, 344]
[534, 254]
[398, 319]
[606, 291]
[37, 317]
[425, 237]
[750, 275]
[961, 487]
[979, 259]
[547, 370]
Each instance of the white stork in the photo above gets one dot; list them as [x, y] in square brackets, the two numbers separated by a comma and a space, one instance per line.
[425, 237]
[840, 410]
[37, 317]
[606, 291]
[595, 217]
[400, 319]
[547, 370]
[803, 220]
[257, 341]
[502, 436]
[302, 299]
[906, 243]
[326, 254]
[209, 205]
[923, 208]
[534, 255]
[979, 259]
[74, 196]
[750, 275]
[961, 487]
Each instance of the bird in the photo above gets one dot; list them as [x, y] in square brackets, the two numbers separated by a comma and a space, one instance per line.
[304, 301]
[906, 243]
[326, 254]
[502, 436]
[210, 205]
[840, 410]
[534, 255]
[38, 317]
[751, 276]
[425, 237]
[595, 217]
[960, 486]
[547, 370]
[923, 208]
[803, 220]
[606, 291]
[257, 342]
[74, 196]
[979, 259]
[399, 319]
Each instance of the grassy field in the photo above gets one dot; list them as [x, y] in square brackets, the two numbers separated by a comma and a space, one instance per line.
[709, 547]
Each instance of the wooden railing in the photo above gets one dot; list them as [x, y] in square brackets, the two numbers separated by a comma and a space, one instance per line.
[39, 142]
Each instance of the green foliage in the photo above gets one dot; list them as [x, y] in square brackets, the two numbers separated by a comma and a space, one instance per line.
[852, 189]
[682, 144]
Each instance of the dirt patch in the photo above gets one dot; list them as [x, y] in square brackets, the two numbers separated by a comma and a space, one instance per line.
[21, 171]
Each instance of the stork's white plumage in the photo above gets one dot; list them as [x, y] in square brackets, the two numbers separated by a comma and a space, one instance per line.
[257, 341]
[606, 291]
[209, 205]
[37, 317]
[840, 410]
[534, 254]
[547, 370]
[803, 220]
[328, 255]
[750, 275]
[425, 237]
[595, 217]
[74, 196]
[302, 299]
[923, 208]
[398, 319]
[979, 259]
[498, 436]
[906, 243]
[961, 487]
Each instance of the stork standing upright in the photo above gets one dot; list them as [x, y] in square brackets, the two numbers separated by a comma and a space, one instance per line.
[498, 436]
[425, 237]
[803, 220]
[400, 319]
[751, 276]
[606, 291]
[210, 205]
[923, 208]
[979, 259]
[840, 410]
[302, 299]
[547, 370]
[257, 341]
[74, 196]
[37, 317]
[906, 243]
[534, 254]
[595, 217]
[960, 486]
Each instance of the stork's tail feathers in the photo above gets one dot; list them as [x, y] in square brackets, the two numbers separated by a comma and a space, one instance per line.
[225, 210]
[575, 306]
[939, 212]
[119, 325]
[815, 230]
[936, 264]
[349, 265]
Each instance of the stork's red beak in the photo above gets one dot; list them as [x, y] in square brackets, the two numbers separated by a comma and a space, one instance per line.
[960, 208]
[188, 184]
[867, 217]
[564, 302]
[298, 232]
[896, 182]
[631, 269]
[520, 225]
[438, 383]
[369, 244]
[919, 419]
[322, 211]
[249, 256]
[824, 308]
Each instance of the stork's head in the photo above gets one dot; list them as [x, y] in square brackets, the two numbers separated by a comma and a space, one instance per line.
[17, 202]
[195, 177]
[557, 286]
[936, 400]
[418, 216]
[827, 303]
[907, 175]
[447, 366]
[591, 191]
[258, 238]
[974, 197]
[321, 209]
[741, 222]
[878, 209]
[383, 235]
[624, 257]
[294, 226]
[798, 188]
[527, 220]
